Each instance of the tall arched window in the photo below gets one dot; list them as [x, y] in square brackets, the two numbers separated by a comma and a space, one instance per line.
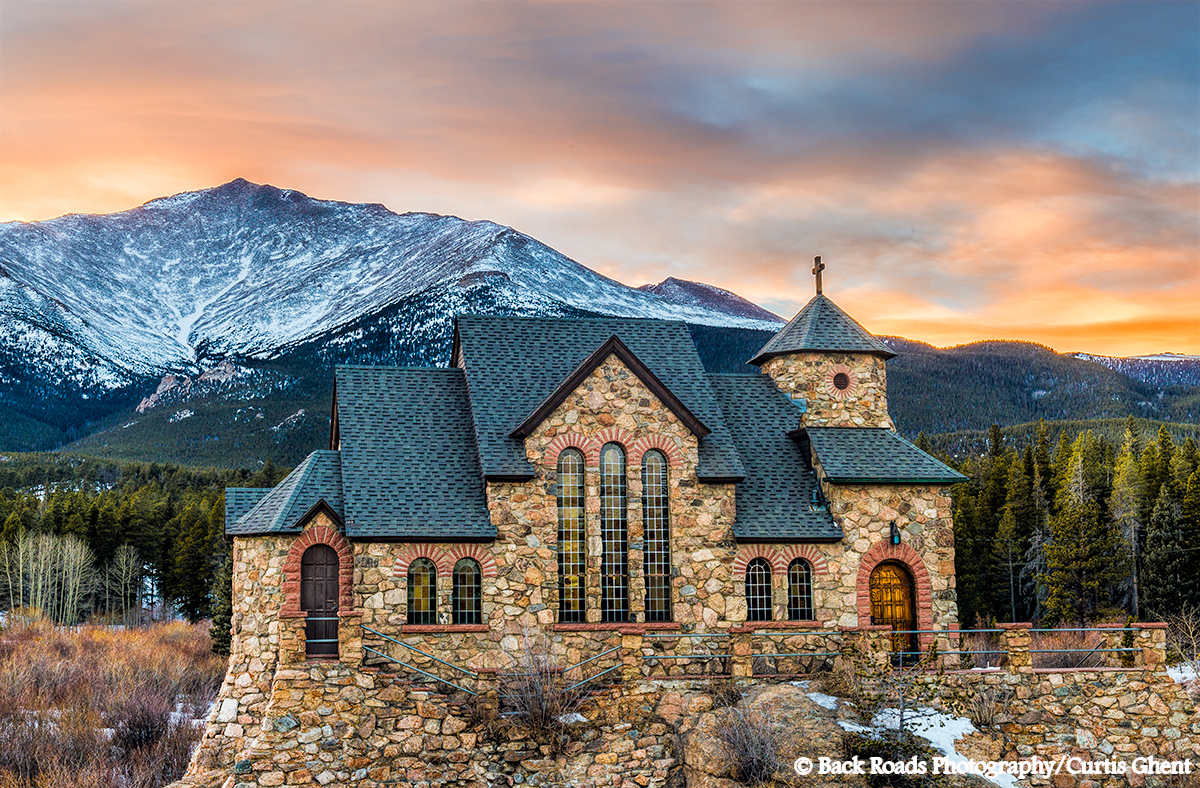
[800, 597]
[422, 592]
[571, 561]
[758, 590]
[614, 535]
[657, 523]
[465, 597]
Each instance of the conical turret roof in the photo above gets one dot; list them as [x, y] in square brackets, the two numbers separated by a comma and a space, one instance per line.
[822, 326]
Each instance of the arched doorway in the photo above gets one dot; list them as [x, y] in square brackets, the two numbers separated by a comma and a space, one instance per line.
[893, 603]
[319, 599]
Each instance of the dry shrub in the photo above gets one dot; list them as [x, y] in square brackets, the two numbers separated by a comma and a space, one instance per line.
[538, 694]
[841, 682]
[724, 692]
[1082, 642]
[980, 644]
[752, 745]
[984, 705]
[92, 706]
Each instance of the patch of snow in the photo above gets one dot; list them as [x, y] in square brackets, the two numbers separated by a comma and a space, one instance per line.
[823, 700]
[180, 415]
[572, 717]
[942, 730]
[1181, 673]
[853, 727]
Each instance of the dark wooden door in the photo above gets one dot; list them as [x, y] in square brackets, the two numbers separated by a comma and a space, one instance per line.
[319, 599]
[892, 603]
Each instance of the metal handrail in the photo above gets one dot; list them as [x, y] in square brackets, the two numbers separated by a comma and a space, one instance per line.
[685, 656]
[593, 678]
[470, 673]
[418, 670]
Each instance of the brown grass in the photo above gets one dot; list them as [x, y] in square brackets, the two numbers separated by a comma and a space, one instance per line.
[1082, 642]
[91, 706]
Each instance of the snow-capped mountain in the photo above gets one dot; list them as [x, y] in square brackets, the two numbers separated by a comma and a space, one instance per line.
[95, 305]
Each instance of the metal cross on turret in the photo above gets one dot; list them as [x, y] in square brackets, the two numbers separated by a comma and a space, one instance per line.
[818, 267]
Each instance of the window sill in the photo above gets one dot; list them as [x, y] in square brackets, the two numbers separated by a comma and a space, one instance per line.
[614, 626]
[440, 629]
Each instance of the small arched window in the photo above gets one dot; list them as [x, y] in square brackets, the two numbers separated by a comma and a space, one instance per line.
[758, 590]
[571, 561]
[657, 524]
[614, 535]
[422, 592]
[800, 597]
[465, 598]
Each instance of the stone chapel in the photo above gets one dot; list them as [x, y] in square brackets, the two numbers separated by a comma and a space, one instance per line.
[584, 477]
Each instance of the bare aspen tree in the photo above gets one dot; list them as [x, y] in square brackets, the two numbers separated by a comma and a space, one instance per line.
[123, 581]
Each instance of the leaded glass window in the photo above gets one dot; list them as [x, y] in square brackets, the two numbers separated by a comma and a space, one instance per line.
[800, 597]
[422, 592]
[614, 535]
[758, 590]
[657, 523]
[465, 597]
[571, 560]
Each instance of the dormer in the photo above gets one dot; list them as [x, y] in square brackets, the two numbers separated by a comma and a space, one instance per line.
[831, 367]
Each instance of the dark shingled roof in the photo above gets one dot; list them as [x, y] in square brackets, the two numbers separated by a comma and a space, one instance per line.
[409, 463]
[852, 455]
[513, 364]
[822, 325]
[318, 478]
[239, 500]
[773, 499]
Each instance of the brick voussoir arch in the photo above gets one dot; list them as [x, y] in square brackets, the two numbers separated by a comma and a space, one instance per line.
[662, 443]
[912, 561]
[574, 440]
[747, 553]
[411, 552]
[321, 534]
[808, 553]
[477, 553]
[614, 435]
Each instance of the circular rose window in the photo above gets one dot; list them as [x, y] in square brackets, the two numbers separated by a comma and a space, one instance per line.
[840, 382]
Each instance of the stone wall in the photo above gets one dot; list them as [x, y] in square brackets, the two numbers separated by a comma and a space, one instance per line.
[811, 376]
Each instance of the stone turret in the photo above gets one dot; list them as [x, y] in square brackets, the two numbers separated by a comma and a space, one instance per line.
[830, 366]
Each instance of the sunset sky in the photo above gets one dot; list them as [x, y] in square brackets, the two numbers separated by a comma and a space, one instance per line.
[968, 170]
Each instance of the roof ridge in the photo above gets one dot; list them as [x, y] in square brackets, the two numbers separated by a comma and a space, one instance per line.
[821, 325]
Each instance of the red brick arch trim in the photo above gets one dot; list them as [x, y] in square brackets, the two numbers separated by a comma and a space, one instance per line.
[624, 438]
[747, 553]
[912, 561]
[807, 552]
[668, 447]
[411, 552]
[479, 554]
[321, 534]
[574, 440]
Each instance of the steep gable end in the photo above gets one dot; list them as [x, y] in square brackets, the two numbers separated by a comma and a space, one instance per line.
[613, 346]
[315, 482]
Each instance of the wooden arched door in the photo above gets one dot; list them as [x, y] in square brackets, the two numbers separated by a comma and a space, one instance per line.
[893, 603]
[319, 599]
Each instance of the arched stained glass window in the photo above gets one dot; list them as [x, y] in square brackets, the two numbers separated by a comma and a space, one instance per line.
[614, 535]
[758, 590]
[800, 596]
[465, 596]
[422, 592]
[657, 523]
[571, 561]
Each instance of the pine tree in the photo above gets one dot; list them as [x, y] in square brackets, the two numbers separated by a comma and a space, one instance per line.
[1124, 508]
[1189, 526]
[1166, 577]
[1083, 562]
[968, 552]
[222, 607]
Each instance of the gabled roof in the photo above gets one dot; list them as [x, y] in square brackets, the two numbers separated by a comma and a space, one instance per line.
[876, 455]
[773, 500]
[613, 346]
[514, 364]
[822, 326]
[410, 468]
[316, 481]
[240, 500]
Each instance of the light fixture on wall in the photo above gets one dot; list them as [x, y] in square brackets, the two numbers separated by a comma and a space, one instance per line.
[895, 533]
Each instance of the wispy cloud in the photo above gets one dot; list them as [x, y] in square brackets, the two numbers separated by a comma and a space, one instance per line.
[970, 170]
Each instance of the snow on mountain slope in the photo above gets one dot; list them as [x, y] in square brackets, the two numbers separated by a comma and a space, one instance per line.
[244, 270]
